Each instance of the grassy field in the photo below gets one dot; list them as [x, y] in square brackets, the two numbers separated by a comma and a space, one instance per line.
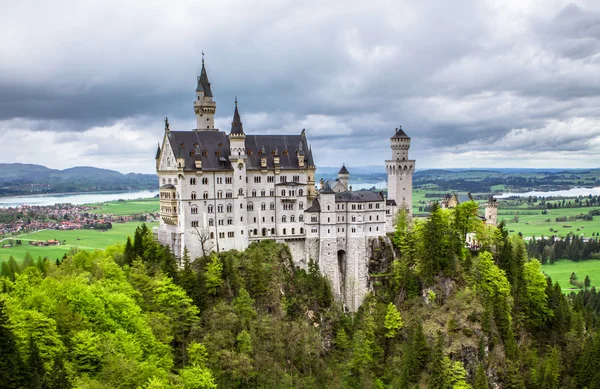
[561, 271]
[88, 240]
[123, 208]
[536, 224]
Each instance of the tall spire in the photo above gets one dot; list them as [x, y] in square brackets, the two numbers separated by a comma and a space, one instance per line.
[236, 124]
[203, 83]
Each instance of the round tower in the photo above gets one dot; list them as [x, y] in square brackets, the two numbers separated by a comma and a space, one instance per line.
[400, 170]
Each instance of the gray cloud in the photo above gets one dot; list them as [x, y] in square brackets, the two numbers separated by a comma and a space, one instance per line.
[474, 77]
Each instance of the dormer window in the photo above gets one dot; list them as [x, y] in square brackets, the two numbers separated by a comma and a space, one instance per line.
[285, 152]
[205, 153]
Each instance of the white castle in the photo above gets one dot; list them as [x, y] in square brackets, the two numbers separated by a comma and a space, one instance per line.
[222, 191]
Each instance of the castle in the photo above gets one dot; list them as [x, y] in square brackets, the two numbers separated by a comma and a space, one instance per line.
[222, 191]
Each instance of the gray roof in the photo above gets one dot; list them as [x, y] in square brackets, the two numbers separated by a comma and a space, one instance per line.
[236, 124]
[327, 188]
[390, 202]
[191, 145]
[315, 207]
[400, 134]
[463, 198]
[203, 84]
[343, 170]
[363, 195]
[168, 186]
[157, 152]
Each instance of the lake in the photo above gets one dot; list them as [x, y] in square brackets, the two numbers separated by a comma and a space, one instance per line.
[74, 198]
[573, 192]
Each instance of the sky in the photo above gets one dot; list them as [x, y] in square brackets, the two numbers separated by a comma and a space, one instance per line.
[475, 84]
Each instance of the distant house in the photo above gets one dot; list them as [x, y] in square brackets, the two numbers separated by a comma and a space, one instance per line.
[451, 200]
[53, 242]
[7, 246]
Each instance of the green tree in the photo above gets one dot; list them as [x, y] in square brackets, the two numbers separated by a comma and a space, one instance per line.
[35, 365]
[481, 380]
[438, 377]
[129, 252]
[214, 269]
[12, 369]
[393, 321]
[58, 377]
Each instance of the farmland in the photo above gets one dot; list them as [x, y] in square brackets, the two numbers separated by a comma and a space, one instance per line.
[82, 239]
[130, 207]
[561, 271]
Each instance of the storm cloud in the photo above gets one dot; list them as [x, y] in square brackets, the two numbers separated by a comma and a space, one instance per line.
[474, 83]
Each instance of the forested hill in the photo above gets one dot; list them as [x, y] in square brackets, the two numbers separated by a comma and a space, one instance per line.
[23, 179]
[440, 316]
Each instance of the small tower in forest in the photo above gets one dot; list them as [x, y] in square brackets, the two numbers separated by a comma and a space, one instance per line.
[491, 211]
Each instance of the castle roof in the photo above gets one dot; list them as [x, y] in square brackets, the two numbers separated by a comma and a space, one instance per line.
[315, 207]
[327, 188]
[360, 196]
[157, 152]
[203, 83]
[343, 170]
[236, 124]
[400, 134]
[212, 148]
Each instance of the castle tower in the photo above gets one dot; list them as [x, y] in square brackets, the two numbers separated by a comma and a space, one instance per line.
[344, 176]
[491, 211]
[204, 106]
[400, 171]
[238, 159]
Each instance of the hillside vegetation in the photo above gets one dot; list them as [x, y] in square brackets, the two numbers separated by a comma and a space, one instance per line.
[439, 317]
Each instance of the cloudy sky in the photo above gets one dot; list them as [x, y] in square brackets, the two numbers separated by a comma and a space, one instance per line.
[474, 83]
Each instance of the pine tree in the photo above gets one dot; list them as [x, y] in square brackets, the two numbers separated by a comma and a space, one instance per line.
[481, 380]
[393, 321]
[513, 379]
[437, 371]
[37, 373]
[12, 369]
[58, 378]
[129, 252]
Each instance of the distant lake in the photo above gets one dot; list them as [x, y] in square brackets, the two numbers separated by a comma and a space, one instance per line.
[573, 192]
[74, 198]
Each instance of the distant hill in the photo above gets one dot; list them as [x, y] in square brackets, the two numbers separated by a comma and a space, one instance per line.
[24, 179]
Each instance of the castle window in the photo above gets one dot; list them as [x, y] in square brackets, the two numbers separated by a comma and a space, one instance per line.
[254, 193]
[221, 222]
[296, 178]
[211, 222]
[193, 181]
[353, 230]
[229, 207]
[257, 179]
[377, 206]
[263, 193]
[228, 194]
[377, 217]
[282, 179]
[205, 181]
[212, 235]
[328, 207]
[228, 180]
[284, 219]
[271, 193]
[282, 192]
[194, 223]
[194, 210]
[314, 230]
[370, 217]
[219, 180]
[250, 207]
[301, 230]
[255, 231]
[193, 195]
[221, 235]
[270, 178]
[220, 208]
[301, 218]
[292, 218]
[230, 234]
[229, 221]
[328, 220]
[300, 192]
[211, 209]
[272, 206]
[376, 228]
[369, 228]
[293, 231]
[169, 180]
[370, 206]
[241, 192]
[301, 205]
[284, 231]
[163, 180]
[353, 206]
[263, 207]
[272, 231]
[205, 195]
[353, 218]
[313, 219]
[220, 194]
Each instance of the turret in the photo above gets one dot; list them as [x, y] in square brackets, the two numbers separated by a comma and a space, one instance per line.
[491, 211]
[400, 170]
[344, 176]
[204, 106]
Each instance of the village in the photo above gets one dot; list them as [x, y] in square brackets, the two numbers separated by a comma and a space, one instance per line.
[29, 218]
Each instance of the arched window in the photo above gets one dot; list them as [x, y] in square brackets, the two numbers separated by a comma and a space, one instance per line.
[284, 218]
[262, 193]
[301, 218]
[250, 207]
[292, 219]
[193, 181]
[301, 205]
[293, 231]
[229, 208]
[284, 231]
[205, 195]
[241, 191]
[283, 192]
[301, 230]
[220, 208]
[254, 193]
[272, 206]
[263, 206]
[211, 222]
[193, 195]
[300, 192]
[205, 181]
[211, 209]
[194, 210]
[272, 231]
[220, 194]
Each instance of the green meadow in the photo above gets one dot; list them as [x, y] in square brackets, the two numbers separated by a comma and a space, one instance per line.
[532, 222]
[82, 239]
[561, 271]
[130, 207]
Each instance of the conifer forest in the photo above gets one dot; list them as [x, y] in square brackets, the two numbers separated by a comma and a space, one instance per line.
[440, 316]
